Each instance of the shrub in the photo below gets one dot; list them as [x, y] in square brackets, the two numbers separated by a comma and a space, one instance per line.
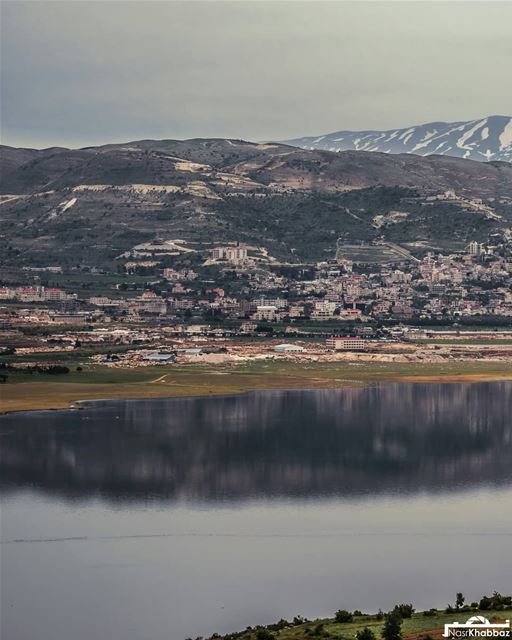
[365, 634]
[496, 602]
[52, 369]
[279, 625]
[343, 616]
[404, 610]
[485, 603]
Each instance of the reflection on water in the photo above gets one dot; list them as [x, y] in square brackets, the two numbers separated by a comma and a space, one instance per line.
[230, 540]
[389, 438]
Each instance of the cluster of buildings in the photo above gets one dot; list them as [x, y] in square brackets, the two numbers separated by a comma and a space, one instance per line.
[35, 294]
[341, 298]
[477, 282]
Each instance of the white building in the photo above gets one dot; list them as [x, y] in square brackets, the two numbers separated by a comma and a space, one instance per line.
[475, 249]
[265, 312]
[235, 254]
[346, 344]
[288, 348]
[324, 309]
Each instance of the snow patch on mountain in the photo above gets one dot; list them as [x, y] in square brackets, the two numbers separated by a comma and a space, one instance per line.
[483, 139]
[506, 136]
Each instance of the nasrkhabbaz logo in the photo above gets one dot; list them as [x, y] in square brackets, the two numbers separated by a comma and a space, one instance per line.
[477, 627]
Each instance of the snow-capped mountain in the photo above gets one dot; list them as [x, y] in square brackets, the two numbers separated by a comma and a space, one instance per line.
[483, 139]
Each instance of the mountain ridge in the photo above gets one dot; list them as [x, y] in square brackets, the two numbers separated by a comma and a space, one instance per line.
[265, 165]
[483, 139]
[88, 206]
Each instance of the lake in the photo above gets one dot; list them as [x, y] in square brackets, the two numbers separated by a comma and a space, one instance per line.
[168, 519]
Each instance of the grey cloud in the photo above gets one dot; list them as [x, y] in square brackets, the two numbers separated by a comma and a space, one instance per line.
[79, 73]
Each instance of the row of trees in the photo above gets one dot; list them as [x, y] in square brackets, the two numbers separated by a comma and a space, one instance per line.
[392, 628]
[50, 369]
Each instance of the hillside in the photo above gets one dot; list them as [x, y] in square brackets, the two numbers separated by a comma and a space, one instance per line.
[88, 206]
[483, 139]
[219, 161]
[425, 625]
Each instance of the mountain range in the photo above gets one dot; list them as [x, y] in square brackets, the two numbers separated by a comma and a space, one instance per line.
[88, 206]
[483, 139]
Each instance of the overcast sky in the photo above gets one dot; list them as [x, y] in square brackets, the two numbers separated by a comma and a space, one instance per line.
[76, 73]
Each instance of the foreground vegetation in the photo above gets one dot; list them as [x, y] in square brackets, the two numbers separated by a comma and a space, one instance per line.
[401, 623]
[28, 390]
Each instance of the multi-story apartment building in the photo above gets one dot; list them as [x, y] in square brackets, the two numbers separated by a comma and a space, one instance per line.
[346, 343]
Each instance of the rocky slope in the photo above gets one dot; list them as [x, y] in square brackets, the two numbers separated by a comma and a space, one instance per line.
[87, 206]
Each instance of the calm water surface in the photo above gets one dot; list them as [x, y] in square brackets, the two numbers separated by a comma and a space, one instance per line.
[164, 519]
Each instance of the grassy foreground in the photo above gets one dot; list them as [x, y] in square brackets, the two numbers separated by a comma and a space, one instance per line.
[24, 391]
[418, 627]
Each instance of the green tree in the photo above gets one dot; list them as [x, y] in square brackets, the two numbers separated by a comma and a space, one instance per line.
[459, 600]
[392, 629]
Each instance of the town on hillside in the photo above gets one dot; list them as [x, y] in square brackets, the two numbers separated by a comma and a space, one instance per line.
[236, 302]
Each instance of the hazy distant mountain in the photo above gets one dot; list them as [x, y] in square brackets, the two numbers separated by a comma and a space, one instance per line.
[483, 139]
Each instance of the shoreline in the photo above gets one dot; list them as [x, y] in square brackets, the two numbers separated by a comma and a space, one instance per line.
[63, 395]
